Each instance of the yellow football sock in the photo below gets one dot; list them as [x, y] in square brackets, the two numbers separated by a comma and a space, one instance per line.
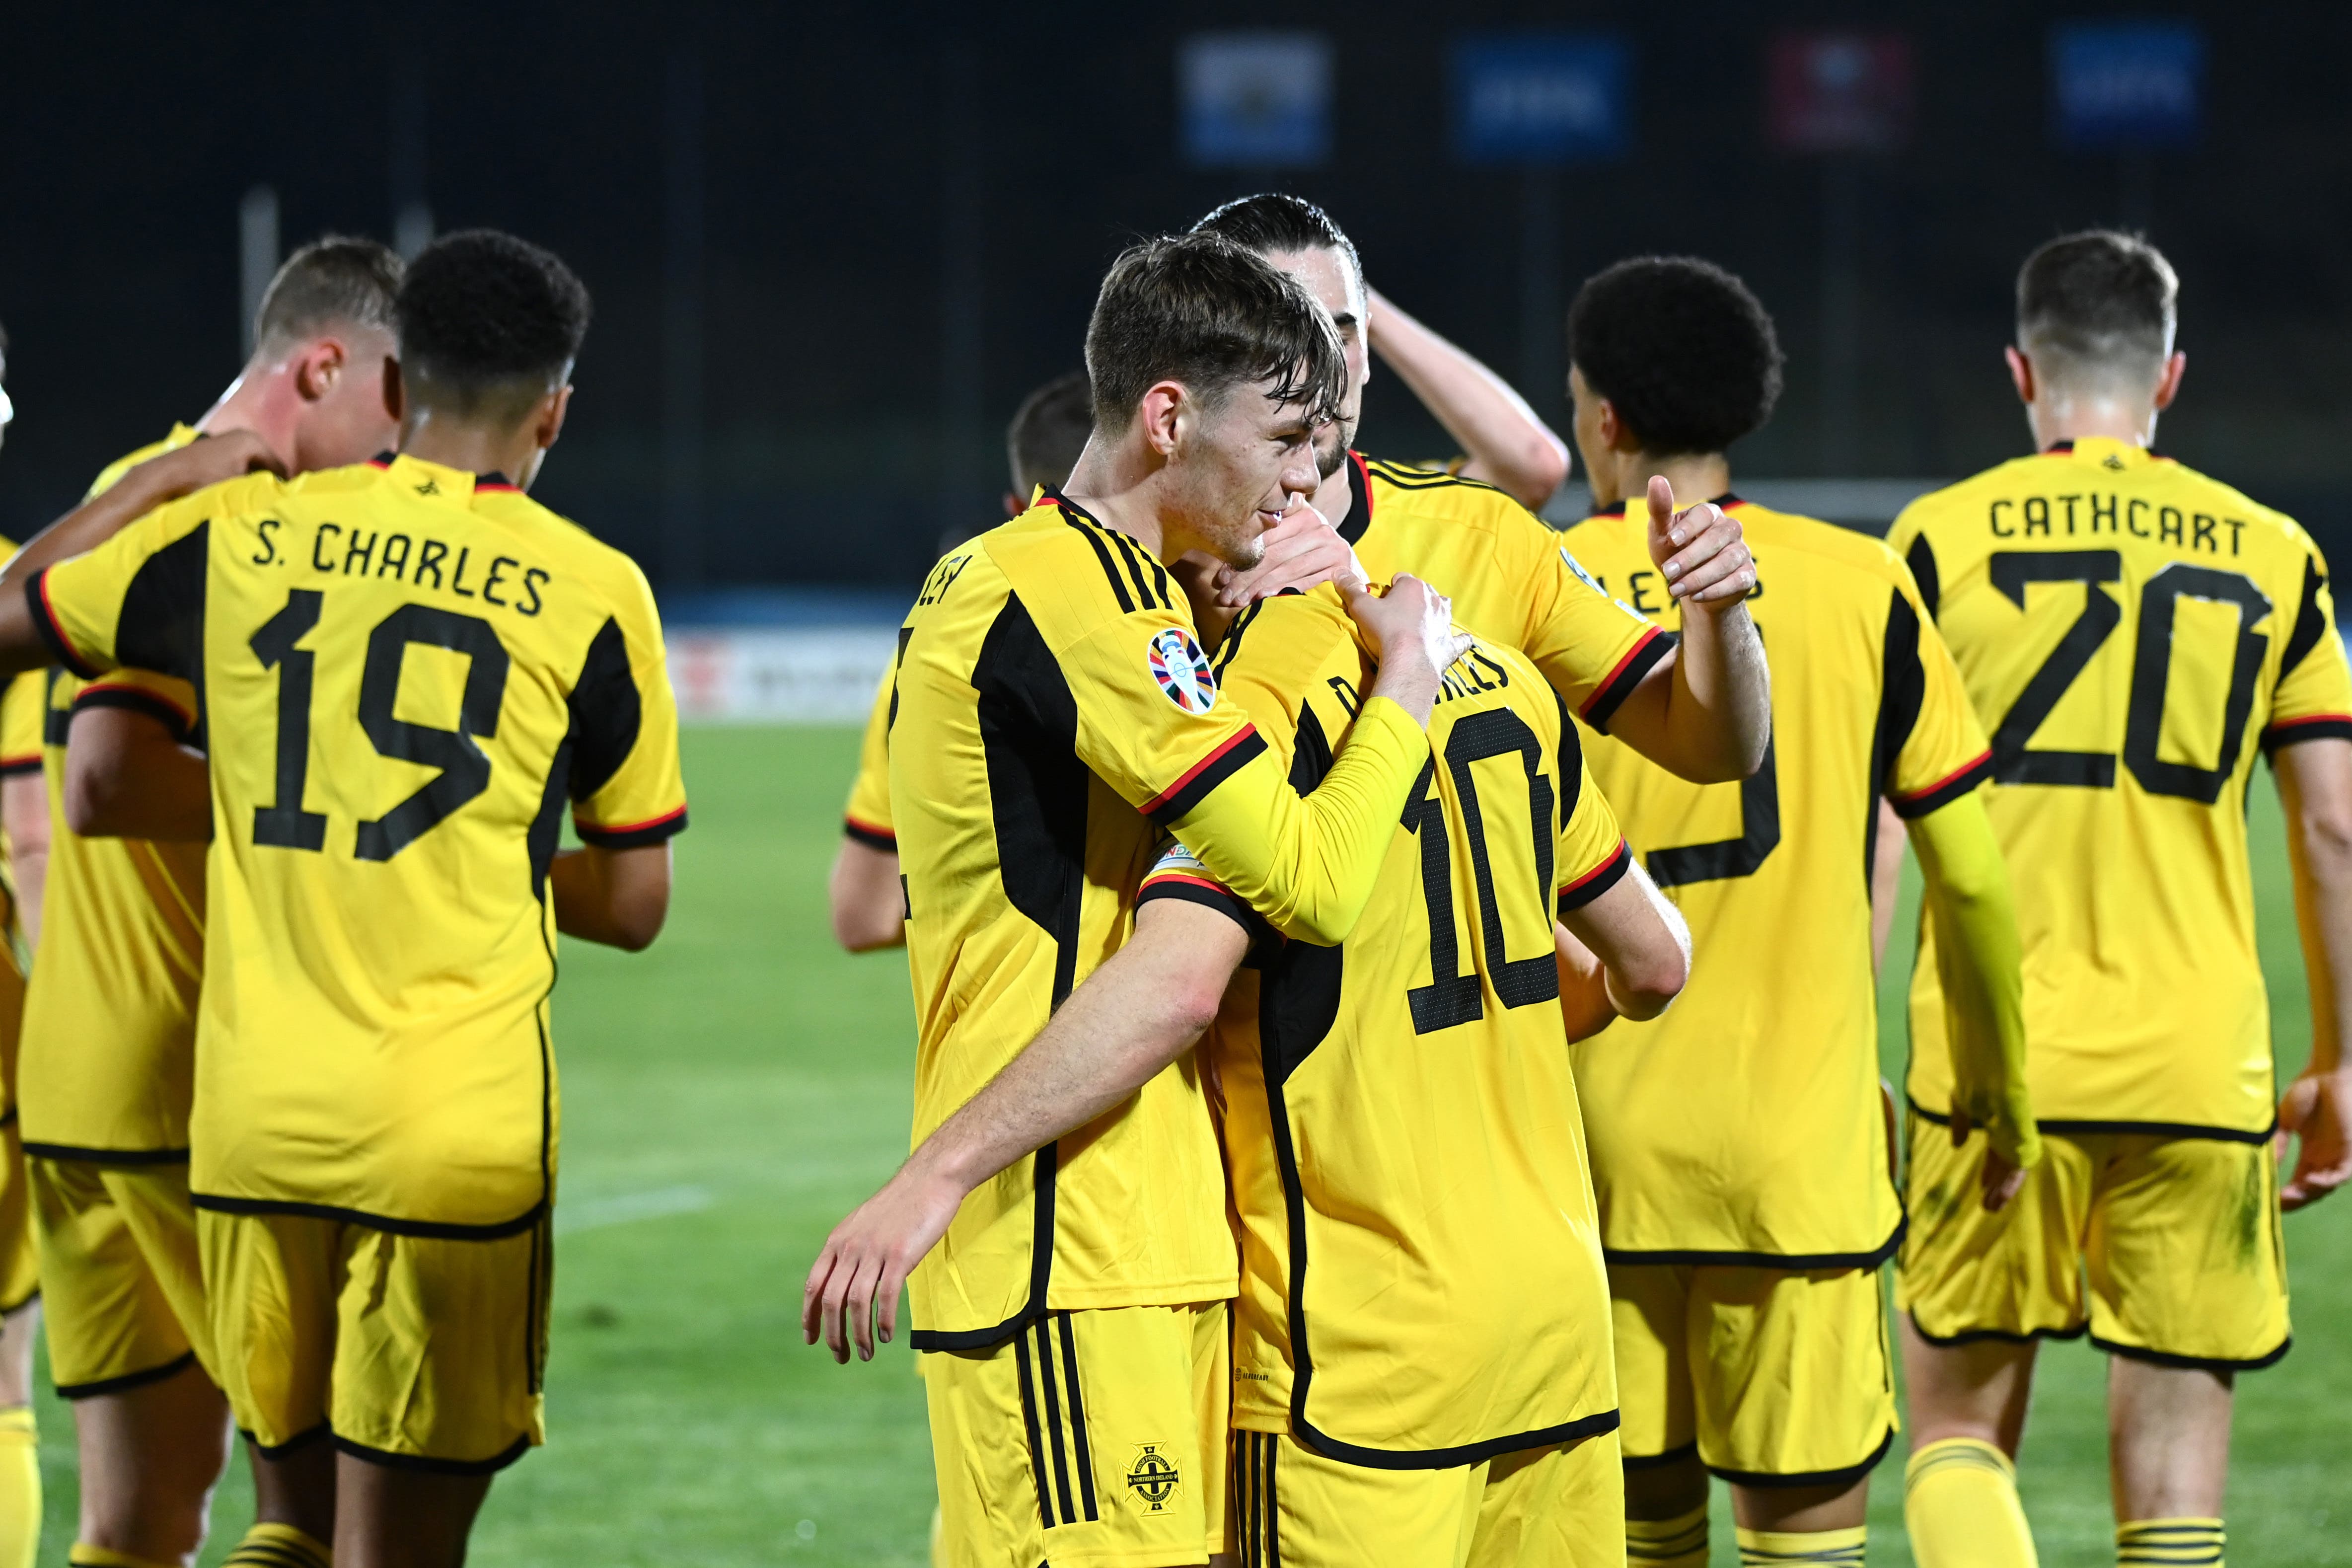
[1676, 1542]
[20, 1488]
[84, 1555]
[1959, 1503]
[1765, 1548]
[279, 1546]
[2194, 1542]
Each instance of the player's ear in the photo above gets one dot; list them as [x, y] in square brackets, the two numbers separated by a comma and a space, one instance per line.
[547, 419]
[1160, 413]
[322, 365]
[395, 394]
[1612, 429]
[2168, 386]
[1013, 505]
[2021, 371]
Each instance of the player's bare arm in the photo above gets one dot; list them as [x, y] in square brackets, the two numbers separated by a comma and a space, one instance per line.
[1508, 444]
[151, 484]
[25, 817]
[2314, 781]
[616, 897]
[1705, 712]
[1886, 880]
[868, 906]
[128, 776]
[1978, 957]
[1140, 1011]
[1626, 955]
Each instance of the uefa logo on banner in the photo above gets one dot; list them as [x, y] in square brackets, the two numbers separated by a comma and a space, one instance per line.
[1183, 670]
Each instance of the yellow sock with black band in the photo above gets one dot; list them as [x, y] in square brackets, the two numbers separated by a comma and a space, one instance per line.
[1676, 1542]
[2188, 1543]
[1959, 1504]
[84, 1555]
[1770, 1548]
[279, 1546]
[20, 1488]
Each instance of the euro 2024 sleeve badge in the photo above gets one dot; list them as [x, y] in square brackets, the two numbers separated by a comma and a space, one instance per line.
[1181, 669]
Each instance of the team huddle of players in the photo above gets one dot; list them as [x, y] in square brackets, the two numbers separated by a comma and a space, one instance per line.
[309, 688]
[1396, 1079]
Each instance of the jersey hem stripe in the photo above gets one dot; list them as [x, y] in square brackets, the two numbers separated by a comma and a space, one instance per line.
[2001, 1336]
[1794, 1262]
[136, 700]
[1844, 1477]
[636, 834]
[2286, 733]
[1639, 660]
[869, 835]
[105, 1156]
[2195, 1362]
[427, 1229]
[1190, 790]
[1043, 1177]
[128, 1380]
[1941, 793]
[1330, 1447]
[429, 1465]
[45, 622]
[2062, 1127]
[1597, 881]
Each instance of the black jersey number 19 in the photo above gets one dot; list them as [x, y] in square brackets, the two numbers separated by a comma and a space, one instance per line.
[1453, 996]
[465, 769]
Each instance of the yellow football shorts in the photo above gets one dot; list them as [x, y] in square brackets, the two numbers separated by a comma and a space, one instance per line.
[1774, 1377]
[423, 1353]
[119, 1271]
[2177, 1240]
[1557, 1506]
[1090, 1439]
[20, 1277]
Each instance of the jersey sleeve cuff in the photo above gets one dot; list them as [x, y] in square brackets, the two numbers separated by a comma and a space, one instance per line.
[1639, 660]
[1599, 879]
[16, 767]
[37, 600]
[872, 835]
[632, 836]
[136, 700]
[2317, 727]
[1210, 894]
[1236, 752]
[1943, 792]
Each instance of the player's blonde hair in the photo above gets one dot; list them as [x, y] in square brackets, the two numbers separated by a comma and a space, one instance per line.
[335, 280]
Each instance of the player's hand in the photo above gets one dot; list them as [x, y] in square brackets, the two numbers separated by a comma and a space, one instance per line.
[852, 1287]
[1302, 552]
[208, 460]
[1999, 1178]
[1409, 627]
[2316, 1111]
[1700, 550]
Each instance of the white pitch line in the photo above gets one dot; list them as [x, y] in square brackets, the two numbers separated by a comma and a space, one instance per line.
[627, 1208]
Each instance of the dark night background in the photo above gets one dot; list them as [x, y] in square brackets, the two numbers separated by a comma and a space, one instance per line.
[843, 426]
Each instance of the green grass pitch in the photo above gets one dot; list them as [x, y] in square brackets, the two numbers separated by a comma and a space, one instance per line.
[731, 1093]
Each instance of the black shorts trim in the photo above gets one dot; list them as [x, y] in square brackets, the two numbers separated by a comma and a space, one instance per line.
[871, 837]
[430, 1467]
[1659, 1461]
[1575, 1431]
[10, 1309]
[74, 1152]
[128, 1380]
[2194, 1363]
[2143, 1129]
[1996, 1336]
[1654, 646]
[301, 1440]
[1791, 1263]
[1846, 1476]
[425, 1230]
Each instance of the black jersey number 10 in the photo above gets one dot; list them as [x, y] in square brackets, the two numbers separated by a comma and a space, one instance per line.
[2014, 762]
[465, 769]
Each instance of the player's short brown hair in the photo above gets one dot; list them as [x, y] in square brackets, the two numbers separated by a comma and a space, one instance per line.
[1200, 310]
[2101, 303]
[334, 280]
[1275, 222]
[1048, 432]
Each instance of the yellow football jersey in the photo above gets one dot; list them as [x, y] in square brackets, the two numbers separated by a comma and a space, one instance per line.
[109, 1061]
[1055, 714]
[1422, 1281]
[1509, 577]
[2129, 630]
[20, 752]
[1745, 1126]
[406, 671]
[867, 819]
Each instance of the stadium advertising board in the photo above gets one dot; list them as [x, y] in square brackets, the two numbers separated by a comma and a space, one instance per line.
[1536, 97]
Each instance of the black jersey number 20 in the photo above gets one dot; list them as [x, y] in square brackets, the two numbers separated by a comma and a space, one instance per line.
[465, 769]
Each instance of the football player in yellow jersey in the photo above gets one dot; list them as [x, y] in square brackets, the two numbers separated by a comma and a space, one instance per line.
[408, 669]
[1739, 1147]
[1699, 707]
[2132, 633]
[1055, 715]
[112, 1011]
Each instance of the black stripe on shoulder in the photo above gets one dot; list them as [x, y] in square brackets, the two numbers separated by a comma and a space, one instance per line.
[1093, 536]
[606, 711]
[36, 602]
[1206, 775]
[1234, 634]
[1151, 596]
[1921, 559]
[1413, 477]
[2309, 623]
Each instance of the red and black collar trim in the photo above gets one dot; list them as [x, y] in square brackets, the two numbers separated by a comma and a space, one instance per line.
[1617, 506]
[1359, 504]
[493, 480]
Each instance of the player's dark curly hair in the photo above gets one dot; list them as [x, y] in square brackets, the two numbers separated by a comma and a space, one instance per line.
[1273, 223]
[485, 318]
[2097, 302]
[1200, 310]
[1681, 347]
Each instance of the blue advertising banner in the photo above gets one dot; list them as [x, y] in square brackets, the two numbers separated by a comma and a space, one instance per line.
[1255, 100]
[2124, 85]
[1541, 98]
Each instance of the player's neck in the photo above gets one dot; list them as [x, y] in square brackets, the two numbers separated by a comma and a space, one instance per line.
[1695, 477]
[2060, 415]
[1119, 489]
[511, 452]
[262, 399]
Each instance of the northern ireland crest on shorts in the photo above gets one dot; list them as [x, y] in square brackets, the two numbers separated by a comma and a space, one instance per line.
[1153, 1478]
[1183, 670]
